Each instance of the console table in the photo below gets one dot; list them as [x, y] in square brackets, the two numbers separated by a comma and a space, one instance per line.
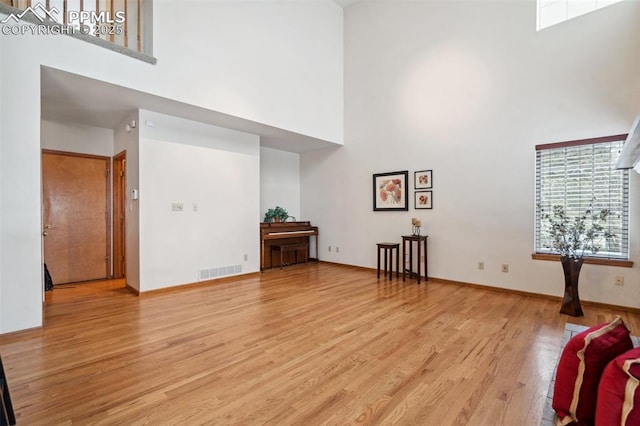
[420, 240]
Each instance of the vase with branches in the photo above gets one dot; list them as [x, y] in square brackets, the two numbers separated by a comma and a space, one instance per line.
[572, 238]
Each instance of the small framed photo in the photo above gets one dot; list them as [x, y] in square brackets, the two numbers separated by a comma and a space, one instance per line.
[390, 191]
[423, 179]
[423, 199]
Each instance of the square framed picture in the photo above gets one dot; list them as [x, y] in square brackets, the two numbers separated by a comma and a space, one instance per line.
[390, 191]
[423, 179]
[423, 199]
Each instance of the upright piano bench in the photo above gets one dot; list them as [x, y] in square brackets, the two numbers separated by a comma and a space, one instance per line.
[290, 248]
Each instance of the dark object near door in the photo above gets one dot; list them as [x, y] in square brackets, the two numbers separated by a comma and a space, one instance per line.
[48, 282]
[7, 416]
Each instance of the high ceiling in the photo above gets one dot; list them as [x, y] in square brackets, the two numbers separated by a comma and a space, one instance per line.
[68, 97]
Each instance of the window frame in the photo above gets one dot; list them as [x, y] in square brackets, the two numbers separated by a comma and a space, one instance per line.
[569, 12]
[621, 259]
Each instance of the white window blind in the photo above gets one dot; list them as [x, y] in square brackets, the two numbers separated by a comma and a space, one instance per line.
[576, 175]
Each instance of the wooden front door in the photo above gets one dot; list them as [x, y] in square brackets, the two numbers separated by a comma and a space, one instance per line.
[76, 220]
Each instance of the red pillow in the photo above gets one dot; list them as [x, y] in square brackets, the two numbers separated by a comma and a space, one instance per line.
[581, 365]
[619, 391]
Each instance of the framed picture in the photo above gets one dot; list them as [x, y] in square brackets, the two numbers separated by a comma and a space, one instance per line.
[423, 199]
[390, 191]
[423, 179]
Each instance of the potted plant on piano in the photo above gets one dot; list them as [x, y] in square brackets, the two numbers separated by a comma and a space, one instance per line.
[278, 214]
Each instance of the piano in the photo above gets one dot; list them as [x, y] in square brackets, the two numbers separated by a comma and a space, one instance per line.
[278, 233]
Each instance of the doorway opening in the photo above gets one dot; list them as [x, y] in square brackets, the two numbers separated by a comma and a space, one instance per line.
[119, 217]
[76, 196]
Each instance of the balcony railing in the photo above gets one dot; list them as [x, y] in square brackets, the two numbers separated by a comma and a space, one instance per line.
[125, 23]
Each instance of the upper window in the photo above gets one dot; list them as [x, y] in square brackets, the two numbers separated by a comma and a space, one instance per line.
[580, 174]
[551, 12]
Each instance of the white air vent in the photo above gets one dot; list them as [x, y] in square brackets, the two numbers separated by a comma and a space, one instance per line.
[211, 273]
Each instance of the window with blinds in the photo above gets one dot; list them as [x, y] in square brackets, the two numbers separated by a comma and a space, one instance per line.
[581, 174]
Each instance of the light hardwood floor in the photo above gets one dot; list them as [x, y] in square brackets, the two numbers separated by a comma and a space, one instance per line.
[316, 344]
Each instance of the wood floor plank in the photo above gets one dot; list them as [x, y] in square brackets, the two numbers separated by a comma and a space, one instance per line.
[314, 344]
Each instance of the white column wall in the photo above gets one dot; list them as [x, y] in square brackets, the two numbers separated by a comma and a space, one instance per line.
[20, 190]
[2, 102]
[129, 141]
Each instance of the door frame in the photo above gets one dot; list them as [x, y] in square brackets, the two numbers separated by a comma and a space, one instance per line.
[119, 185]
[107, 215]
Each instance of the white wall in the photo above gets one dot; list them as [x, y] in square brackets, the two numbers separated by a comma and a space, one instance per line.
[71, 137]
[2, 102]
[279, 181]
[129, 142]
[275, 62]
[216, 169]
[468, 89]
[21, 268]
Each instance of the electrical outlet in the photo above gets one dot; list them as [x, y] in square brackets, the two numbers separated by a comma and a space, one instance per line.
[177, 207]
[246, 257]
[481, 266]
[505, 267]
[337, 249]
[329, 248]
[619, 281]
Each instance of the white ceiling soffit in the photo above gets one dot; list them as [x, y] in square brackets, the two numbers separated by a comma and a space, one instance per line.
[345, 3]
[630, 156]
[68, 97]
